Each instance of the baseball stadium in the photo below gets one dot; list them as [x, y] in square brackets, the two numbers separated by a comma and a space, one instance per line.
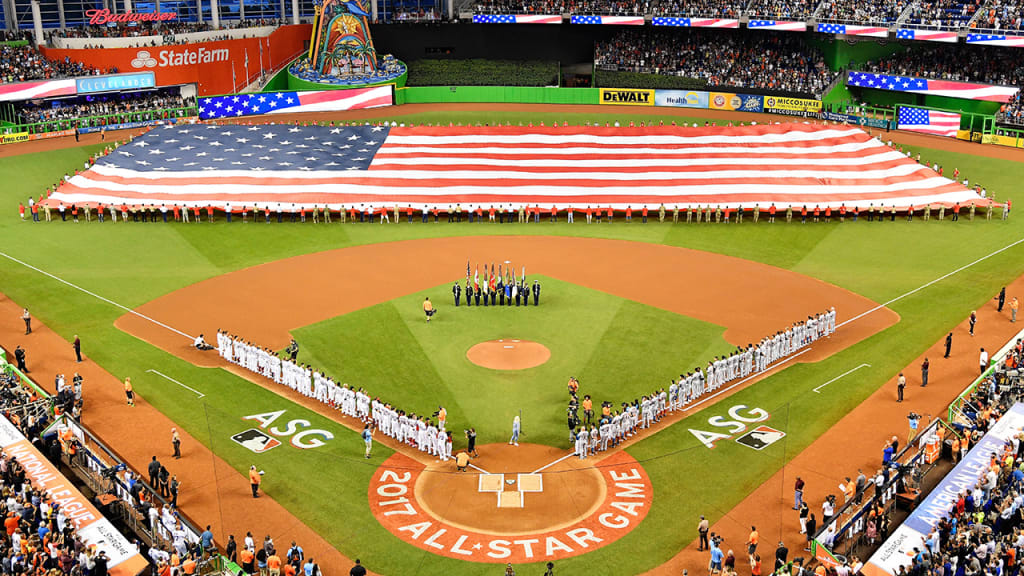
[555, 287]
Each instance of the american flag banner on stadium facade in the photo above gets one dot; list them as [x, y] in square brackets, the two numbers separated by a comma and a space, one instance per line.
[40, 89]
[695, 22]
[937, 87]
[517, 19]
[619, 20]
[851, 30]
[237, 105]
[565, 166]
[996, 40]
[928, 121]
[929, 35]
[779, 25]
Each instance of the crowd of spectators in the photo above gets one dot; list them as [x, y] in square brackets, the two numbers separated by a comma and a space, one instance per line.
[702, 8]
[871, 12]
[985, 64]
[782, 9]
[944, 14]
[1002, 15]
[1013, 112]
[417, 15]
[170, 32]
[19, 64]
[778, 62]
[116, 106]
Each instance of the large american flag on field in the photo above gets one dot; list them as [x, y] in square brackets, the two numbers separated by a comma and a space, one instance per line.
[425, 166]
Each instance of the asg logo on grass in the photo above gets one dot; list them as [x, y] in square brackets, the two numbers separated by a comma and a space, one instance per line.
[262, 440]
[757, 439]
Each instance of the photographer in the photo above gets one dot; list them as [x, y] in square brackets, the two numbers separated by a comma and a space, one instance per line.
[913, 419]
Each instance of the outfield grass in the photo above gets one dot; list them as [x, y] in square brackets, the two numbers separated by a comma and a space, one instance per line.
[134, 263]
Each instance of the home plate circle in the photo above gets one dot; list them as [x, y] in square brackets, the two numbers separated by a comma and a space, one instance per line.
[508, 354]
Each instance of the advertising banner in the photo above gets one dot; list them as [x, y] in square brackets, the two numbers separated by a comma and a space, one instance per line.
[781, 105]
[114, 83]
[681, 98]
[92, 527]
[1011, 141]
[856, 120]
[898, 549]
[738, 102]
[214, 67]
[627, 96]
[13, 138]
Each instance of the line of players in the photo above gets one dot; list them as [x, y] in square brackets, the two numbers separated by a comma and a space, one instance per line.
[615, 426]
[415, 431]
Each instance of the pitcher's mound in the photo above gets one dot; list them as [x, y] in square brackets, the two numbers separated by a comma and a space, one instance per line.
[508, 354]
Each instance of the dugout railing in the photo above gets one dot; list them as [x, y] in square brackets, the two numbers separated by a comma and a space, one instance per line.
[959, 413]
[102, 470]
[845, 535]
[14, 125]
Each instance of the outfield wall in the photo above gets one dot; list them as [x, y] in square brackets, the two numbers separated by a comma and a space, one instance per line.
[496, 94]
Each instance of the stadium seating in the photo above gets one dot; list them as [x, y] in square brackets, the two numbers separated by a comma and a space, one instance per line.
[779, 62]
[700, 8]
[860, 12]
[18, 64]
[944, 14]
[1003, 15]
[114, 105]
[611, 7]
[781, 9]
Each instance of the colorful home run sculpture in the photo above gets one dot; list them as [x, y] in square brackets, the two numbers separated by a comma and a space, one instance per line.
[341, 43]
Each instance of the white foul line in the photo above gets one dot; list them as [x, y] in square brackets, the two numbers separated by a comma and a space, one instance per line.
[475, 467]
[176, 382]
[569, 455]
[816, 390]
[923, 286]
[97, 296]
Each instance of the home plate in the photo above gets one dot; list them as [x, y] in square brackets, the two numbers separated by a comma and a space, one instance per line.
[510, 499]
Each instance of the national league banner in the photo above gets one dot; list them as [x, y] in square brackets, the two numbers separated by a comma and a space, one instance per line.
[93, 528]
[898, 550]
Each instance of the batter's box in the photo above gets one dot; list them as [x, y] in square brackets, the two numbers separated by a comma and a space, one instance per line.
[491, 482]
[510, 499]
[530, 483]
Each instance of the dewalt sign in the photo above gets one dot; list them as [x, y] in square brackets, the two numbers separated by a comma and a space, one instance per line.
[627, 97]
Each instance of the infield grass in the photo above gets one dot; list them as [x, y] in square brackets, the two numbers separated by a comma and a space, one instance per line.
[326, 488]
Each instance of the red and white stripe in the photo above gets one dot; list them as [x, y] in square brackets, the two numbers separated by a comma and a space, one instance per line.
[935, 36]
[939, 124]
[623, 20]
[40, 89]
[334, 100]
[872, 31]
[714, 23]
[537, 19]
[785, 164]
[970, 91]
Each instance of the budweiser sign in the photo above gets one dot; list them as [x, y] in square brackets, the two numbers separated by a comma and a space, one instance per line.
[101, 17]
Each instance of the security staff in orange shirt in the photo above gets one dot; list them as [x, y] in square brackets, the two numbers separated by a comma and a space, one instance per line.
[254, 481]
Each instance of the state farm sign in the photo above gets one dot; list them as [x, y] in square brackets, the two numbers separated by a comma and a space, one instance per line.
[182, 57]
[101, 17]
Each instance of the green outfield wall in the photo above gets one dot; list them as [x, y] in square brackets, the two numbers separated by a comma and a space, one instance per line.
[505, 94]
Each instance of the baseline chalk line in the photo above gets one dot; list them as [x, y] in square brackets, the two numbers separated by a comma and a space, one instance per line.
[817, 390]
[158, 373]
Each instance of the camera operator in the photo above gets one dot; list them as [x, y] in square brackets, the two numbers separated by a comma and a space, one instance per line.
[913, 419]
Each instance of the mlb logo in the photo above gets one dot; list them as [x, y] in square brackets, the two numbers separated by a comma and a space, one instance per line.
[256, 441]
[761, 437]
